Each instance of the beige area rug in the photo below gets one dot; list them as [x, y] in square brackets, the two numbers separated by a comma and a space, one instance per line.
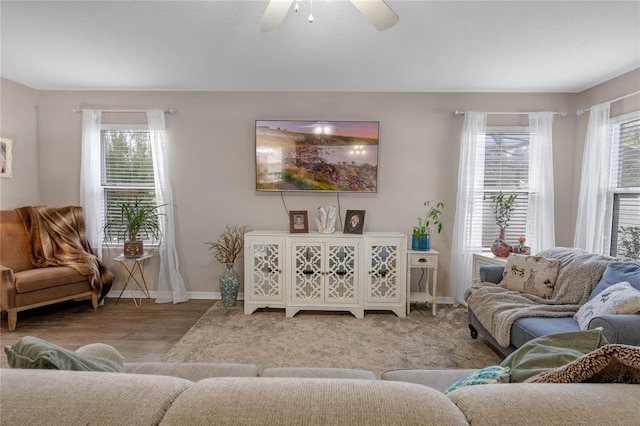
[379, 342]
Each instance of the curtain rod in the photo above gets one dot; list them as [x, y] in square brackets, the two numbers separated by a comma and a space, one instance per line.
[167, 111]
[582, 111]
[560, 113]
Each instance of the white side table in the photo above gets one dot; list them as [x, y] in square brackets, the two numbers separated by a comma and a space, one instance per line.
[485, 258]
[133, 269]
[428, 261]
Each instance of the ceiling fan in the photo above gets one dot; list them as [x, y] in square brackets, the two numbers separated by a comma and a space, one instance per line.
[377, 11]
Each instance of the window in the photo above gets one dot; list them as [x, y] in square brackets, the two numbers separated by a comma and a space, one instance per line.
[126, 172]
[506, 169]
[625, 185]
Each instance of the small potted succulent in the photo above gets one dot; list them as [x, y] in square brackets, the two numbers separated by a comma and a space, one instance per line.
[421, 238]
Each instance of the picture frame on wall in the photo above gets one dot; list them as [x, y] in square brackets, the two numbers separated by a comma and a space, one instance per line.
[354, 222]
[298, 222]
[6, 160]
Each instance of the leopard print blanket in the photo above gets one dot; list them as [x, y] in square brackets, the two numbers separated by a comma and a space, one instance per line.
[607, 364]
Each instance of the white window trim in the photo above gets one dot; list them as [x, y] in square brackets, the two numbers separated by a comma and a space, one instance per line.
[612, 189]
[125, 128]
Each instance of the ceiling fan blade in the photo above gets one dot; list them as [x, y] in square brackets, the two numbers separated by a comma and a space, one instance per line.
[377, 11]
[274, 14]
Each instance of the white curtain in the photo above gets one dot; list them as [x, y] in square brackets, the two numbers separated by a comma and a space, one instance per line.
[170, 284]
[91, 195]
[594, 202]
[540, 228]
[467, 227]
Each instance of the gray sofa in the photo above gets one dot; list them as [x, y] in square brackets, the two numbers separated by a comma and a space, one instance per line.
[622, 329]
[233, 394]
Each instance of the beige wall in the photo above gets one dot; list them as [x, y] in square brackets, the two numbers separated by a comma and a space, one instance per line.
[212, 159]
[19, 122]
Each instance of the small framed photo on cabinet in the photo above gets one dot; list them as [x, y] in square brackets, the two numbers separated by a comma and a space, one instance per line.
[298, 222]
[354, 222]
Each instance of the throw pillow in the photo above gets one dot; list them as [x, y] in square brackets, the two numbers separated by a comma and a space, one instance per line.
[618, 272]
[530, 274]
[486, 376]
[551, 351]
[35, 353]
[102, 350]
[619, 298]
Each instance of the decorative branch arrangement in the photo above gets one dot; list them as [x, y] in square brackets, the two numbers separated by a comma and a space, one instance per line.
[229, 245]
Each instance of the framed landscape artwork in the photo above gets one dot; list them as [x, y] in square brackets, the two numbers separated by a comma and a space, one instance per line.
[330, 156]
[6, 170]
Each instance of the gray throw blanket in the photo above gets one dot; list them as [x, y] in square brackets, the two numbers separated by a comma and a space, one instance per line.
[497, 308]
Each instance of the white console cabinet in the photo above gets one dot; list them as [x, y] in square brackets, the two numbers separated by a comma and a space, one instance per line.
[332, 272]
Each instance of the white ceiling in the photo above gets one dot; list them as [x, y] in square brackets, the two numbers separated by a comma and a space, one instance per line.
[437, 46]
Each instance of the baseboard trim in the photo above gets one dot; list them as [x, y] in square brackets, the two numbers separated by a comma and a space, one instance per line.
[212, 295]
[215, 295]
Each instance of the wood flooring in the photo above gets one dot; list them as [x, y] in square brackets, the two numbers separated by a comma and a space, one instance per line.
[142, 334]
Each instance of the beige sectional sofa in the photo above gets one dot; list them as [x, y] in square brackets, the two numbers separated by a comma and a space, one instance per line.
[237, 394]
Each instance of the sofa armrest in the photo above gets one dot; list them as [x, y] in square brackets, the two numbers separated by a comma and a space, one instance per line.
[6, 275]
[491, 273]
[622, 329]
[7, 287]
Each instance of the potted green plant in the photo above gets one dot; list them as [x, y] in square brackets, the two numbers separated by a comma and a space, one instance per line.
[136, 218]
[503, 207]
[421, 238]
[226, 249]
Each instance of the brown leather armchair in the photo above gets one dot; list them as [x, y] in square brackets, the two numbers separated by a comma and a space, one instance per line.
[24, 286]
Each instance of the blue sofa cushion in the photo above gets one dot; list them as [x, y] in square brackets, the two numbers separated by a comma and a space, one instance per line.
[525, 329]
[617, 272]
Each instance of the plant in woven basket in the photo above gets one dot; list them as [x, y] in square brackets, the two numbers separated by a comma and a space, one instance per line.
[229, 245]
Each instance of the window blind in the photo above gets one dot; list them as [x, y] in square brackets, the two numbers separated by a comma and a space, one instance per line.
[506, 169]
[127, 176]
[127, 158]
[625, 182]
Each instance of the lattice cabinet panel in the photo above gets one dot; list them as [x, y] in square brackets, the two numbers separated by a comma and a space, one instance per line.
[384, 273]
[264, 273]
[308, 274]
[341, 275]
[385, 284]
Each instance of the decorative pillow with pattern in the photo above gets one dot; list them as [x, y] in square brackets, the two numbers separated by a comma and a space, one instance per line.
[620, 298]
[33, 352]
[530, 274]
[486, 376]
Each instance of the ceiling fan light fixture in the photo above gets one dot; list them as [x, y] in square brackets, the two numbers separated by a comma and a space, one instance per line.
[376, 11]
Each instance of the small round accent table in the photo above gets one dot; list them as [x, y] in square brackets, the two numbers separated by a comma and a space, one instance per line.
[133, 269]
